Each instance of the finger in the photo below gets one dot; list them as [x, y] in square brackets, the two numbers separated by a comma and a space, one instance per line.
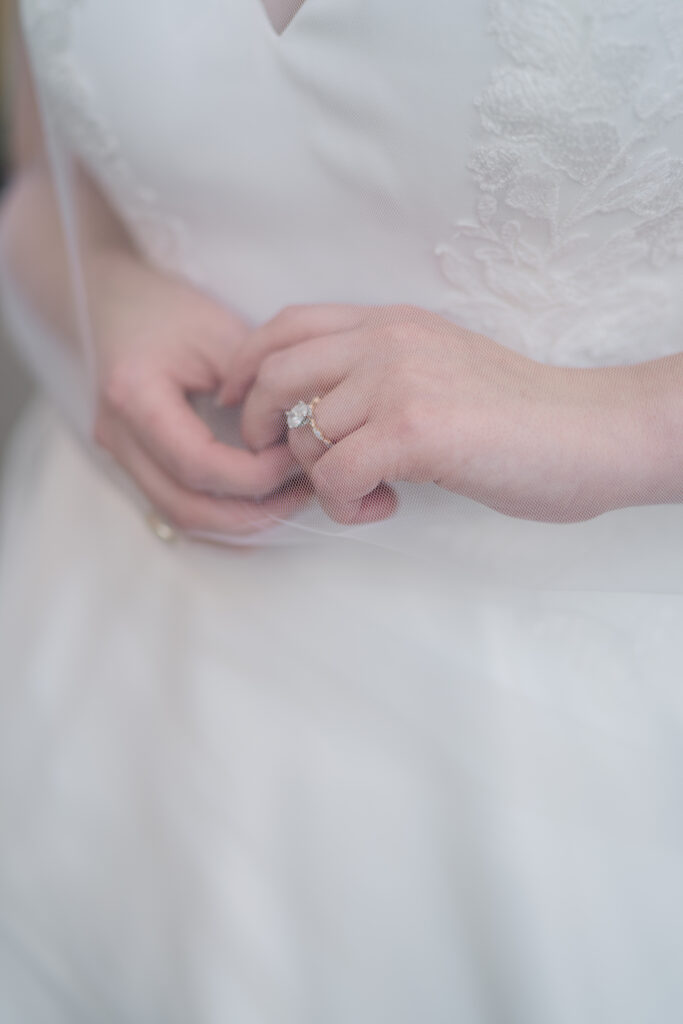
[175, 437]
[192, 512]
[293, 325]
[337, 414]
[310, 368]
[351, 478]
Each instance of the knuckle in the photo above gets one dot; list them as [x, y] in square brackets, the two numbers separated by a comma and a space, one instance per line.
[351, 470]
[403, 333]
[408, 311]
[410, 422]
[406, 317]
[389, 316]
[123, 389]
[188, 473]
[181, 515]
[334, 483]
[289, 314]
[270, 371]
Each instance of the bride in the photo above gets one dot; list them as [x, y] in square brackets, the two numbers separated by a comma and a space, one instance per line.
[341, 598]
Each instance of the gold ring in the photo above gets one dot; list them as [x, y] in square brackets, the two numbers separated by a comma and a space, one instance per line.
[314, 426]
[160, 528]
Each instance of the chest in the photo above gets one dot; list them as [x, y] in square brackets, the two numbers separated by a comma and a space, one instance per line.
[334, 158]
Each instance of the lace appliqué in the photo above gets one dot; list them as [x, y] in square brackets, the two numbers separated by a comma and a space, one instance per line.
[70, 99]
[581, 203]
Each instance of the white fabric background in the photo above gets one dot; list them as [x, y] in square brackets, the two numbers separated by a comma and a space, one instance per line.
[336, 782]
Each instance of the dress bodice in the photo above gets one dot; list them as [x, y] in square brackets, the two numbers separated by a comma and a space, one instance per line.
[515, 165]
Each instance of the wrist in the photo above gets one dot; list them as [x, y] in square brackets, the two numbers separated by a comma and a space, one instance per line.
[658, 409]
[639, 417]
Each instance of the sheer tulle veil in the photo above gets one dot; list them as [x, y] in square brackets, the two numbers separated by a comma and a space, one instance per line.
[425, 768]
[631, 549]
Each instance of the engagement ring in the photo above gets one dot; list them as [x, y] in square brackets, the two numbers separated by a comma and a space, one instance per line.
[301, 415]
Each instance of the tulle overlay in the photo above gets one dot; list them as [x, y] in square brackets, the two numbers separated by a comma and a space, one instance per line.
[423, 770]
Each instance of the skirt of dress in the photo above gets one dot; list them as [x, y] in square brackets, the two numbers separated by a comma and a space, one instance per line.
[322, 784]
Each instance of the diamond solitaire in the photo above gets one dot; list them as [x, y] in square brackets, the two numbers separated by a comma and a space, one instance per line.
[299, 415]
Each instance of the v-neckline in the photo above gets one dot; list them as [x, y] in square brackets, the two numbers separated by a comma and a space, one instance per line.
[271, 26]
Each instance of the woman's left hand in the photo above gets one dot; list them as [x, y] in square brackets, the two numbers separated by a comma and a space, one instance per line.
[408, 396]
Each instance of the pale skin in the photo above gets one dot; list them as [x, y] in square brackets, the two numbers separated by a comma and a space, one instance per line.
[157, 339]
[405, 394]
[409, 396]
[281, 12]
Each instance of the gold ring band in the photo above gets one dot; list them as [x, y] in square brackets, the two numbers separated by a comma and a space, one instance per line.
[314, 426]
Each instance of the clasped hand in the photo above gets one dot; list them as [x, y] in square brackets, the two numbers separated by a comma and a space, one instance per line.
[409, 396]
[405, 396]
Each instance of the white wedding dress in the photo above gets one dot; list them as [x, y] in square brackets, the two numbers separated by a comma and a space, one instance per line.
[429, 770]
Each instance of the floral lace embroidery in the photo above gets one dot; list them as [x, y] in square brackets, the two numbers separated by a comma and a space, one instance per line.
[569, 123]
[47, 25]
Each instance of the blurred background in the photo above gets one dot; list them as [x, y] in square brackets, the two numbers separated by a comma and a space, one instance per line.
[14, 387]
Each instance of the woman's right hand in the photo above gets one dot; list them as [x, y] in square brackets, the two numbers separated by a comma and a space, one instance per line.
[157, 340]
